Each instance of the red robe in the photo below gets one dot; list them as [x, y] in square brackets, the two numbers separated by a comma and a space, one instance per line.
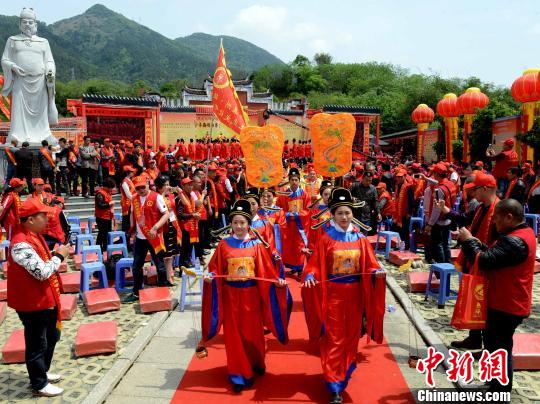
[200, 150]
[9, 218]
[296, 229]
[192, 151]
[334, 309]
[243, 307]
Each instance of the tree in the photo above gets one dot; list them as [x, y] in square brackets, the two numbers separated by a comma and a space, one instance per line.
[322, 58]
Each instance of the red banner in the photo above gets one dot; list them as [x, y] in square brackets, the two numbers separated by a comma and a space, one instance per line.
[227, 105]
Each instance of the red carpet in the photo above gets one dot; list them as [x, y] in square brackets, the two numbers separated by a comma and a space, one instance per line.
[293, 373]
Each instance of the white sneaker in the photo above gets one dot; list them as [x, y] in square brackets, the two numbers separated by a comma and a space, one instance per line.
[50, 390]
[54, 377]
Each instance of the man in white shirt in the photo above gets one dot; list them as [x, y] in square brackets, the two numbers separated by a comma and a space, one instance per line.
[149, 213]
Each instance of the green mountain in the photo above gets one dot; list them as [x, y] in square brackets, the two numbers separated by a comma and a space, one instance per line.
[242, 56]
[101, 43]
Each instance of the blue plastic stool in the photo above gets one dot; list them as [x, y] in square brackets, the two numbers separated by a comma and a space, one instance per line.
[114, 234]
[185, 280]
[87, 270]
[418, 220]
[4, 244]
[74, 220]
[120, 277]
[388, 236]
[91, 249]
[444, 293]
[81, 240]
[387, 223]
[532, 220]
[74, 231]
[112, 248]
[90, 222]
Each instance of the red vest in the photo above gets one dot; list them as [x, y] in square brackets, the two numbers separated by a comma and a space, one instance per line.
[152, 215]
[26, 293]
[389, 208]
[125, 201]
[510, 289]
[54, 226]
[104, 213]
[449, 190]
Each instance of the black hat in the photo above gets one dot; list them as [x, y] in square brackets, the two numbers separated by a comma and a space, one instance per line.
[293, 172]
[340, 197]
[252, 193]
[271, 189]
[241, 207]
[324, 184]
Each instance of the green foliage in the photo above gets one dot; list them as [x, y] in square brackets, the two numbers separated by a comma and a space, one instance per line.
[391, 88]
[103, 44]
[457, 150]
[438, 148]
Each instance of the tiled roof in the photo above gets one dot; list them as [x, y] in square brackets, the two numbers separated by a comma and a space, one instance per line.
[351, 108]
[115, 100]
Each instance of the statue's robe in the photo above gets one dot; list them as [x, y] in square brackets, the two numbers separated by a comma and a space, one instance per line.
[32, 105]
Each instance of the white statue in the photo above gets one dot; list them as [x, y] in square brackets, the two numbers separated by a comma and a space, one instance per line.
[29, 75]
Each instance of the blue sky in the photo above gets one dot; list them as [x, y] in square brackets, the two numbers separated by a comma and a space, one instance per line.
[492, 39]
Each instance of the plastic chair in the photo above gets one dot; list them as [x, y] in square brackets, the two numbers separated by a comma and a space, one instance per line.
[81, 240]
[532, 220]
[90, 223]
[388, 236]
[443, 292]
[120, 275]
[114, 248]
[87, 269]
[114, 234]
[185, 281]
[74, 220]
[416, 220]
[92, 249]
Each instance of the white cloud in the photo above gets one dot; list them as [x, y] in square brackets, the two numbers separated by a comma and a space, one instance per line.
[277, 30]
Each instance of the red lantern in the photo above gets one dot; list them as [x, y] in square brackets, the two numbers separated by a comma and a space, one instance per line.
[422, 114]
[527, 87]
[447, 107]
[468, 104]
[472, 100]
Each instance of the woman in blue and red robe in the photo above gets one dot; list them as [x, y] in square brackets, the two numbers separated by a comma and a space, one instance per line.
[342, 285]
[294, 202]
[243, 292]
[320, 207]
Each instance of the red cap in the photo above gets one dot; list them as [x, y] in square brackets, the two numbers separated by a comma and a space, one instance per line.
[38, 181]
[162, 147]
[482, 180]
[33, 206]
[140, 180]
[440, 168]
[186, 181]
[415, 166]
[381, 185]
[400, 172]
[107, 139]
[479, 163]
[15, 182]
[212, 166]
[129, 169]
[509, 142]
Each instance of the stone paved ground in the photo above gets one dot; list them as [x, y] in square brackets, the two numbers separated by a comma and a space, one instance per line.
[80, 375]
[526, 383]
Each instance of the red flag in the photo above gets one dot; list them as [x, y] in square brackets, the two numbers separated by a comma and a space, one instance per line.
[225, 101]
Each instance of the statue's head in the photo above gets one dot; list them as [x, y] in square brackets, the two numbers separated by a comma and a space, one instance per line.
[27, 22]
